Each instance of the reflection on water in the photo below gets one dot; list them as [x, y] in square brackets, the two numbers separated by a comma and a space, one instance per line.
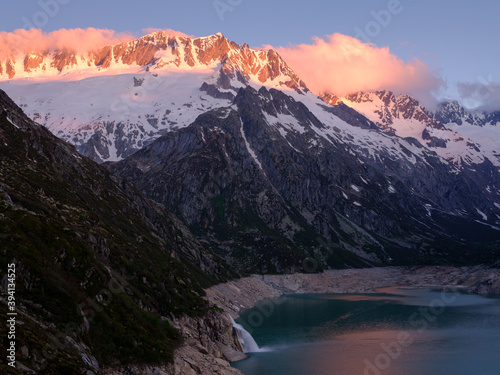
[394, 331]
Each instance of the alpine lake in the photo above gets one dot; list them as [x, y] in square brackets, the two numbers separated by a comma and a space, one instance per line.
[393, 331]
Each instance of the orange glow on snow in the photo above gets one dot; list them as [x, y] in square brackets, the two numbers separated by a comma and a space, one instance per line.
[171, 32]
[342, 64]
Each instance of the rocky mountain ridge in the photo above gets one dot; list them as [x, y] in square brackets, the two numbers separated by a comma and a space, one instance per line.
[122, 97]
[266, 184]
[450, 131]
[454, 112]
[155, 52]
[228, 126]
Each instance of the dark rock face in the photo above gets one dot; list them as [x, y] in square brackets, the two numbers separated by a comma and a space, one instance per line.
[269, 202]
[214, 92]
[350, 116]
[138, 82]
[99, 145]
[453, 112]
[433, 141]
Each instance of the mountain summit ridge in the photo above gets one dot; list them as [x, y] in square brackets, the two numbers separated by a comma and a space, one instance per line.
[120, 98]
[155, 51]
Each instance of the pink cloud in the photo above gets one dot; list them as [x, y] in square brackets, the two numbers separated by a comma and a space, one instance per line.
[342, 64]
[79, 40]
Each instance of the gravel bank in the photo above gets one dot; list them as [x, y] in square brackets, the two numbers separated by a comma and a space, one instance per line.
[244, 293]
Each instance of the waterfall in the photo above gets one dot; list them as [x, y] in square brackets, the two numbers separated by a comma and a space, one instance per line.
[248, 344]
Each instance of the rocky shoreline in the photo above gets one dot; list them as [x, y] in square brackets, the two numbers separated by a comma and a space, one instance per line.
[244, 293]
[209, 341]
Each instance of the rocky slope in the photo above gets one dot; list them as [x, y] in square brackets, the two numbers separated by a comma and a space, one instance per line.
[100, 269]
[210, 344]
[479, 279]
[272, 188]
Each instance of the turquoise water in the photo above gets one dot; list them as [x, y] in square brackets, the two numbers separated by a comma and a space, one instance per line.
[393, 332]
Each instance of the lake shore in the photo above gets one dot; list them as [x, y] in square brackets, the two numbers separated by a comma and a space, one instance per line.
[244, 293]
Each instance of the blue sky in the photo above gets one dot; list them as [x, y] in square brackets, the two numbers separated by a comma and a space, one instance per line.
[457, 39]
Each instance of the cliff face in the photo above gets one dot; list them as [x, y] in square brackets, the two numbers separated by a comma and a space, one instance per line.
[209, 347]
[475, 279]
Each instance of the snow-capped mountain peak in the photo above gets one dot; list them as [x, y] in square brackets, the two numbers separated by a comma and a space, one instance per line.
[404, 116]
[156, 52]
[119, 98]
